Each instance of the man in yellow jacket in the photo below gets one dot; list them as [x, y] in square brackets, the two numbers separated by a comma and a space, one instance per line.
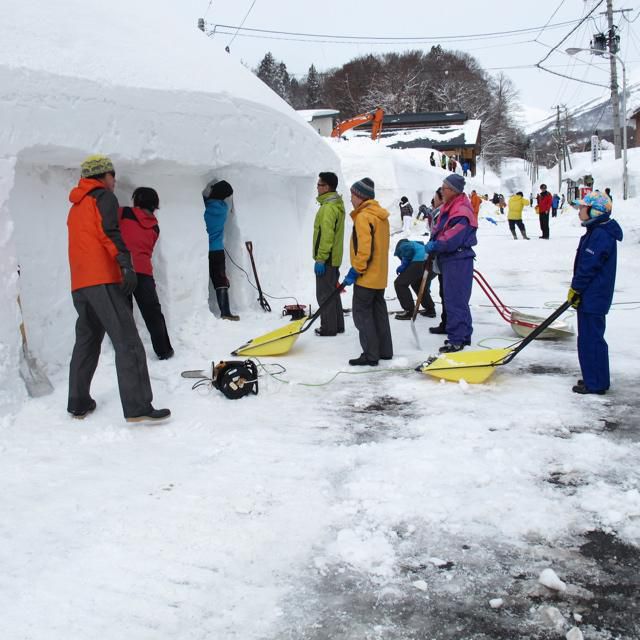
[516, 204]
[369, 253]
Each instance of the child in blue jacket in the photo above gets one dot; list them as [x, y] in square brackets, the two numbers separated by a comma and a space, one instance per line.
[591, 291]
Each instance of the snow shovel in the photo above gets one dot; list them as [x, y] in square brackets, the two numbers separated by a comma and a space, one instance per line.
[521, 323]
[280, 341]
[35, 379]
[421, 290]
[476, 367]
[261, 299]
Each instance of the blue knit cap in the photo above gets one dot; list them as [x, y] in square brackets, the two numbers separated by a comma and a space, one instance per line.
[364, 189]
[455, 181]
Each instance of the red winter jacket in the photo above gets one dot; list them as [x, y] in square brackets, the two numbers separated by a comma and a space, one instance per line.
[140, 233]
[545, 200]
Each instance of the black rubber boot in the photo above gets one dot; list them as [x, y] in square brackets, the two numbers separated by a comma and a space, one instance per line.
[222, 295]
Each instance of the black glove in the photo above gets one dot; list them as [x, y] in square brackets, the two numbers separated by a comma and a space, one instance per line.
[129, 281]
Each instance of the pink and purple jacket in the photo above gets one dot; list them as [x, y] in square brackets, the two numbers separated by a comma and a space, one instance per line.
[455, 230]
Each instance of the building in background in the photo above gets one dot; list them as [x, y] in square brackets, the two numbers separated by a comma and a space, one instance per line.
[320, 119]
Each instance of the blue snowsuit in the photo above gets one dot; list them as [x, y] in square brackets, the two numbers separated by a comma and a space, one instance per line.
[594, 277]
[454, 234]
[215, 215]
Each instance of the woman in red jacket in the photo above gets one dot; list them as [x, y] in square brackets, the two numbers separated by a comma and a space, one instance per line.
[140, 231]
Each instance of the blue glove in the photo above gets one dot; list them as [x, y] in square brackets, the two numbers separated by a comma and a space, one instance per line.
[351, 277]
[430, 246]
[403, 266]
[320, 268]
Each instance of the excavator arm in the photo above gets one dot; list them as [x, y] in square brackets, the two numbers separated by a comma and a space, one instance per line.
[375, 117]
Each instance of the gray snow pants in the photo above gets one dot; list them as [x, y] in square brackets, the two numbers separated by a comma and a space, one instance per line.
[332, 316]
[104, 308]
[371, 318]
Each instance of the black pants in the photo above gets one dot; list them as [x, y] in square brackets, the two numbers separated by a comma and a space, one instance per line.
[554, 212]
[371, 318]
[147, 298]
[544, 224]
[104, 308]
[331, 316]
[217, 269]
[517, 223]
[412, 277]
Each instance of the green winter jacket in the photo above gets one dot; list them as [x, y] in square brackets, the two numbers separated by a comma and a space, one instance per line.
[328, 229]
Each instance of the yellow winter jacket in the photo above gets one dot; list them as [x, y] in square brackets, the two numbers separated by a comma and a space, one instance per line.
[370, 244]
[516, 205]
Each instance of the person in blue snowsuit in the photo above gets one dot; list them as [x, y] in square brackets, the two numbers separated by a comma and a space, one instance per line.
[591, 291]
[453, 236]
[412, 255]
[215, 216]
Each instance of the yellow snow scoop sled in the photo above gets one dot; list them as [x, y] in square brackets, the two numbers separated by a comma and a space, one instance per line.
[476, 367]
[280, 341]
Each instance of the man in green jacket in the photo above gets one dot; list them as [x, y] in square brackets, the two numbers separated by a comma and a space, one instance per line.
[328, 236]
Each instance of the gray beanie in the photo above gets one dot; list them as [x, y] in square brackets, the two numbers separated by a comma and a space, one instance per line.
[364, 189]
[455, 181]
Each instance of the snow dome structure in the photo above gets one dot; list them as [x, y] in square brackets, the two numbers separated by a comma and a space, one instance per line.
[139, 82]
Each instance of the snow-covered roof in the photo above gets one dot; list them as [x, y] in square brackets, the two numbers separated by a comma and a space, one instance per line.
[311, 114]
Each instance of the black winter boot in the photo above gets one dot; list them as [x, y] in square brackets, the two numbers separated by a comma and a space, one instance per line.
[222, 295]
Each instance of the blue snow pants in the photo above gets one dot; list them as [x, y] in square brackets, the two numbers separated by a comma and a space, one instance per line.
[457, 279]
[593, 352]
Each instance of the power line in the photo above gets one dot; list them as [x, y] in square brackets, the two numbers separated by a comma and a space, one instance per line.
[549, 20]
[353, 39]
[241, 24]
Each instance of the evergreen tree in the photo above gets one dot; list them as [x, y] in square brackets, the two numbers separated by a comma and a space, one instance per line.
[314, 90]
[267, 69]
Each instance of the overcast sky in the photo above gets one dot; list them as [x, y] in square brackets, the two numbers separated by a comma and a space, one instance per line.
[539, 91]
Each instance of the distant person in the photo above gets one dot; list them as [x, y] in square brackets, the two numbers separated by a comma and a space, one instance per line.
[562, 201]
[216, 211]
[443, 160]
[432, 159]
[608, 192]
[452, 164]
[555, 203]
[476, 201]
[369, 255]
[406, 215]
[328, 237]
[452, 240]
[591, 291]
[531, 199]
[409, 274]
[501, 204]
[140, 232]
[517, 203]
[423, 212]
[466, 167]
[544, 201]
[102, 276]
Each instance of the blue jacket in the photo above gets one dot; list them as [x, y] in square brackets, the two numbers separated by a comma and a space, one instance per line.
[215, 215]
[555, 202]
[594, 269]
[410, 250]
[454, 232]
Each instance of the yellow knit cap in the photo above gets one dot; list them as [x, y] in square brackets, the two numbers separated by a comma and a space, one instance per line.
[96, 165]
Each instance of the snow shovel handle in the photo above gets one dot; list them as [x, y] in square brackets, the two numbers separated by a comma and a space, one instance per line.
[261, 299]
[545, 324]
[337, 291]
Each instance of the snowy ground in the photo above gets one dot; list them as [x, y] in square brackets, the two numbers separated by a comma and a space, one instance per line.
[383, 504]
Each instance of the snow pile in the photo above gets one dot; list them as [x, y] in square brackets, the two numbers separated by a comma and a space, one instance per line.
[172, 111]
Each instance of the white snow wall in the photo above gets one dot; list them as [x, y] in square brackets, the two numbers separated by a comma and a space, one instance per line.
[173, 141]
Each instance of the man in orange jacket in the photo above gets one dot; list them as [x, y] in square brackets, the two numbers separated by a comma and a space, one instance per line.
[102, 277]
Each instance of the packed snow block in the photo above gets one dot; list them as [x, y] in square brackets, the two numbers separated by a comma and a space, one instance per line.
[170, 118]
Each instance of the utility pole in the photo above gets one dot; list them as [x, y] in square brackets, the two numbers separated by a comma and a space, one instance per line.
[615, 99]
[559, 148]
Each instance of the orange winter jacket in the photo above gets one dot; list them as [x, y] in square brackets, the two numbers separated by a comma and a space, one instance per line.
[476, 201]
[370, 244]
[96, 248]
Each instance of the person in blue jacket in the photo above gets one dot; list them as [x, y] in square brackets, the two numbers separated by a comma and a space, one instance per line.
[215, 216]
[555, 203]
[591, 291]
[412, 256]
[452, 237]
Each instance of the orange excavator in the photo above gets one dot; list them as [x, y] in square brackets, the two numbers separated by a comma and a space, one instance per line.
[375, 117]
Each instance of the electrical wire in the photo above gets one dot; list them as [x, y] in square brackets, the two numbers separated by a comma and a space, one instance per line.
[353, 39]
[549, 20]
[235, 264]
[242, 23]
